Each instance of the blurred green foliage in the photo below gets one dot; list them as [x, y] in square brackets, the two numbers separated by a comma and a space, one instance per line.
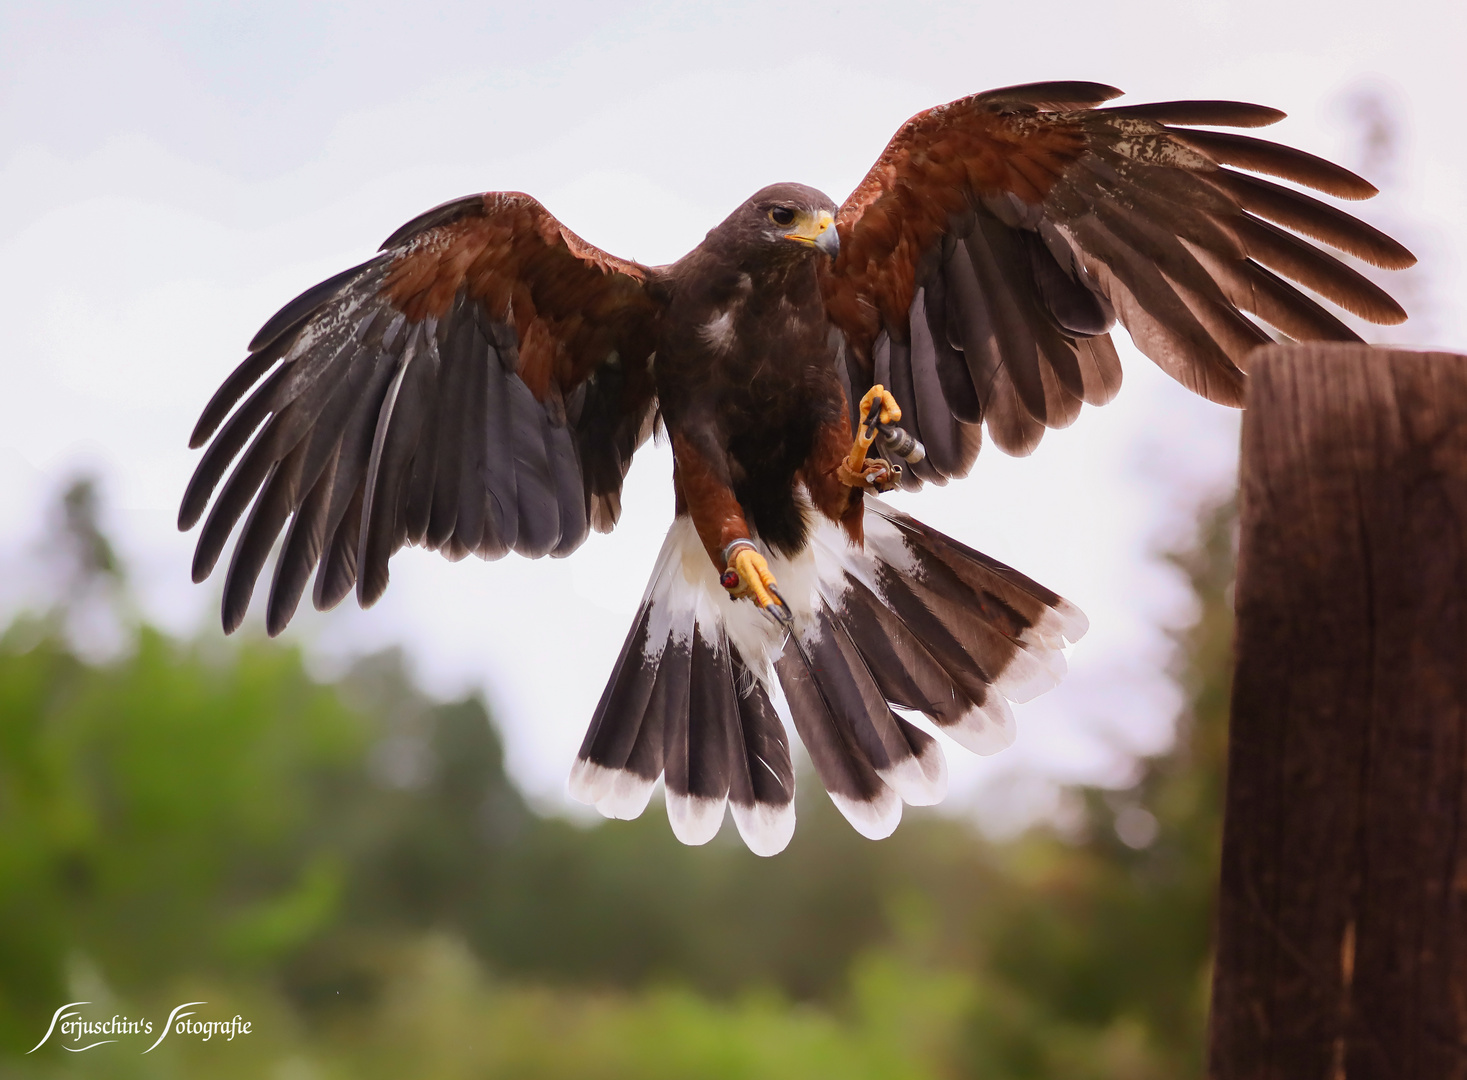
[346, 865]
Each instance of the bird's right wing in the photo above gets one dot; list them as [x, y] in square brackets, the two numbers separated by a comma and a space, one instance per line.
[479, 386]
[987, 253]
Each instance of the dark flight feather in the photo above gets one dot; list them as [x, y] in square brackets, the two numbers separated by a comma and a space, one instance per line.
[1326, 275]
[713, 715]
[1054, 96]
[535, 500]
[1274, 159]
[619, 713]
[762, 773]
[1238, 114]
[824, 729]
[300, 551]
[232, 438]
[1297, 211]
[308, 303]
[443, 214]
[399, 426]
[229, 393]
[934, 415]
[953, 374]
[337, 572]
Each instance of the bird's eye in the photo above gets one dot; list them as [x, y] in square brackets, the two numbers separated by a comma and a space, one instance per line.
[782, 215]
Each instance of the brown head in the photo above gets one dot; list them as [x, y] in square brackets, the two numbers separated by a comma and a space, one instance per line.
[778, 224]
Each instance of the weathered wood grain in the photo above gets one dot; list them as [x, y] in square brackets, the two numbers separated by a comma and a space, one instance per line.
[1342, 932]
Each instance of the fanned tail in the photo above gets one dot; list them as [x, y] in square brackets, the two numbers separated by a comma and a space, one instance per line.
[688, 701]
[910, 620]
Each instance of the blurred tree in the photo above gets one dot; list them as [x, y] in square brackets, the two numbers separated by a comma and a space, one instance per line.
[1099, 950]
[164, 812]
[88, 547]
[351, 861]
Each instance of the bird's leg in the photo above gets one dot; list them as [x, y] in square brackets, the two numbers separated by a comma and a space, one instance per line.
[703, 487]
[838, 500]
[858, 470]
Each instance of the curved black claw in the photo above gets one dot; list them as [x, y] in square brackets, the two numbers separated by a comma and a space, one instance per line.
[779, 611]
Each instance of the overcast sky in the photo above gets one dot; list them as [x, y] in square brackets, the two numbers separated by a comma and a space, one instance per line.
[171, 173]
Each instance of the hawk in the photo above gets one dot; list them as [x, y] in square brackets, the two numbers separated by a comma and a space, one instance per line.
[481, 384]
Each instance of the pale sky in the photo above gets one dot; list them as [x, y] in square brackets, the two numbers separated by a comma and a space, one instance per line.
[173, 172]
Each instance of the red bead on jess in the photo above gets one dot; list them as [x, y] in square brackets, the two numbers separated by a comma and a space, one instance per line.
[730, 579]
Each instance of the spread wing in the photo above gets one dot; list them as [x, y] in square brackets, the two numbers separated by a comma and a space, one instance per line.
[988, 252]
[478, 386]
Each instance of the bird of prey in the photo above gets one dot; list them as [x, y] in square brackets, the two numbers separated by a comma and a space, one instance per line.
[480, 385]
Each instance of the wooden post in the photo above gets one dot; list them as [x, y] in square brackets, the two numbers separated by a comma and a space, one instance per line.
[1342, 916]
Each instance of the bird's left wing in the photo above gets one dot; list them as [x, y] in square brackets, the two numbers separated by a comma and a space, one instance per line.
[988, 252]
[478, 386]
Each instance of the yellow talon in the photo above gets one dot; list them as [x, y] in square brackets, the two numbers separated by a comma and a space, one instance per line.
[891, 412]
[855, 464]
[756, 581]
[754, 575]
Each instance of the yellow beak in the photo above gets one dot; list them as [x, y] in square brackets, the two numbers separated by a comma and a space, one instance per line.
[817, 230]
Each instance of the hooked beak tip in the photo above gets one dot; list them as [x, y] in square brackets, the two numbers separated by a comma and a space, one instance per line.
[829, 241]
[818, 232]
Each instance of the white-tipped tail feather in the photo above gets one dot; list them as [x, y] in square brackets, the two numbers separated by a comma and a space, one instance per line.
[766, 828]
[694, 819]
[911, 620]
[615, 793]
